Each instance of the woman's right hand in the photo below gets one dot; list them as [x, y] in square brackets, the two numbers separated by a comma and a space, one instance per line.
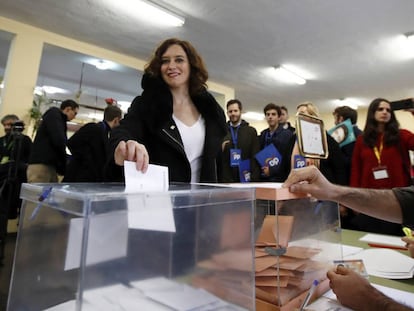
[132, 151]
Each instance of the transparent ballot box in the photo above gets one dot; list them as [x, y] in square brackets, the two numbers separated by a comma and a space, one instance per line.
[297, 241]
[96, 247]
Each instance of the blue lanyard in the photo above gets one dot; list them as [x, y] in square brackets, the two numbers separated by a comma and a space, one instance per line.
[269, 137]
[234, 135]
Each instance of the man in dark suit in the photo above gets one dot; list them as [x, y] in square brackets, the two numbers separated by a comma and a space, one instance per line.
[341, 114]
[89, 148]
[48, 157]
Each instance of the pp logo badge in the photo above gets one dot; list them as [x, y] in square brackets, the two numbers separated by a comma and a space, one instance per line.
[272, 161]
[235, 156]
[299, 161]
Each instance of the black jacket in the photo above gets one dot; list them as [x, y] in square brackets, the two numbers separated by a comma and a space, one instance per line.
[15, 146]
[89, 153]
[49, 146]
[248, 142]
[149, 121]
[280, 138]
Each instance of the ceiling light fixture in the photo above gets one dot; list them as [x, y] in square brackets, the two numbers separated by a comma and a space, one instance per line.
[102, 64]
[151, 11]
[350, 102]
[287, 75]
[410, 37]
[250, 115]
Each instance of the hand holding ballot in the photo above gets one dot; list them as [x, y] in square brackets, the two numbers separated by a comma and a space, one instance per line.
[131, 150]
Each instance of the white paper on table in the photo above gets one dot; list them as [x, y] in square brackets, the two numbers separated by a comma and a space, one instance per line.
[154, 179]
[325, 303]
[386, 263]
[348, 250]
[151, 212]
[381, 239]
[107, 239]
[177, 296]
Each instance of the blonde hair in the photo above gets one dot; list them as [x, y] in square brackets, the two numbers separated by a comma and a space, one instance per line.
[310, 107]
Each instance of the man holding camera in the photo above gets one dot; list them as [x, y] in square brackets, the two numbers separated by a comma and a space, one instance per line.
[14, 154]
[13, 129]
[15, 150]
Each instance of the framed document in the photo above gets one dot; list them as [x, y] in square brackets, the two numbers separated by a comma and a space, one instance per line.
[311, 136]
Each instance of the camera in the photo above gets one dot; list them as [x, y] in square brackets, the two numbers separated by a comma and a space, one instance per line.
[402, 104]
[17, 127]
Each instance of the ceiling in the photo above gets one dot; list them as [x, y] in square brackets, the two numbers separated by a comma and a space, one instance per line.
[351, 49]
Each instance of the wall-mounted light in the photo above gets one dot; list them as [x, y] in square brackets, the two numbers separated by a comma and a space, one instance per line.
[287, 75]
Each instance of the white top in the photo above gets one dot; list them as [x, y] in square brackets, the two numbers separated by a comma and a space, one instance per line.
[193, 140]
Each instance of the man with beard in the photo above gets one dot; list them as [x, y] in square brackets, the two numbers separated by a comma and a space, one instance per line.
[239, 148]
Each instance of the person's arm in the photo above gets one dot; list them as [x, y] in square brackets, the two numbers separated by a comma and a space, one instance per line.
[124, 143]
[355, 292]
[379, 203]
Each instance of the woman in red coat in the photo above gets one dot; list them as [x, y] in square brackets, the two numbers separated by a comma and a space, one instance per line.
[381, 160]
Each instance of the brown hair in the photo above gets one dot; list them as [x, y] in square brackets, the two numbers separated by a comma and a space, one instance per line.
[198, 71]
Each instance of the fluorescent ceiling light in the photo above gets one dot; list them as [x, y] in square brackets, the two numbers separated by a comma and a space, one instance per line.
[410, 37]
[350, 102]
[40, 90]
[102, 65]
[287, 75]
[150, 11]
[53, 89]
[95, 115]
[124, 105]
[250, 115]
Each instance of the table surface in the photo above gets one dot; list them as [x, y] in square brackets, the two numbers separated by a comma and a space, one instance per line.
[350, 237]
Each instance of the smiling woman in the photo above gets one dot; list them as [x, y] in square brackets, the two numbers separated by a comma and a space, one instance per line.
[175, 122]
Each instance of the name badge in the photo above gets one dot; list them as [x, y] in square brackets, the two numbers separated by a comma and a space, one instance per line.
[299, 161]
[235, 157]
[380, 172]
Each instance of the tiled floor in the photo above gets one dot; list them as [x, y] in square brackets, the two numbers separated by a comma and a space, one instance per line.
[6, 269]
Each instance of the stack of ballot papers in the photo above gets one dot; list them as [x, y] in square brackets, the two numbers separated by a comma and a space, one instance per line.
[282, 278]
[386, 263]
[381, 240]
[155, 294]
